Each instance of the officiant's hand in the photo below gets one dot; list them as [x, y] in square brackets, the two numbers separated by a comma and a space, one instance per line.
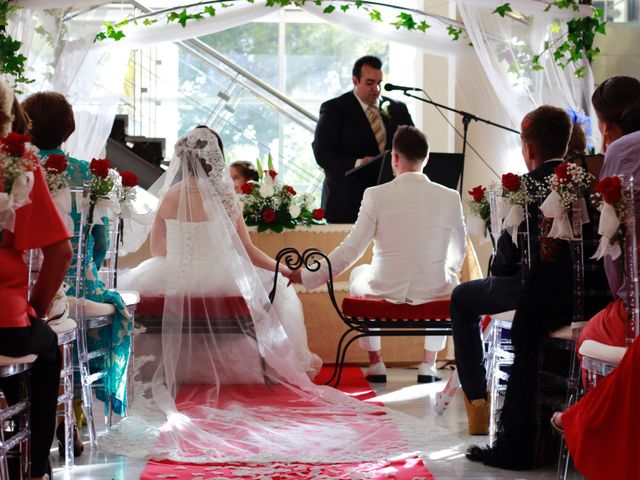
[362, 161]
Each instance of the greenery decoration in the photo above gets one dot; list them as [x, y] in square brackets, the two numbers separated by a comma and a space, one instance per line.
[572, 47]
[12, 62]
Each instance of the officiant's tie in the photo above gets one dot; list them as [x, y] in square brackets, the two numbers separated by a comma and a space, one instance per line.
[378, 127]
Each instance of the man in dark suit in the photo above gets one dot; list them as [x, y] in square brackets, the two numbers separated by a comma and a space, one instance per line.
[353, 128]
[545, 134]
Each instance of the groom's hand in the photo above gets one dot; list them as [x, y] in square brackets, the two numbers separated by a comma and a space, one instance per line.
[296, 277]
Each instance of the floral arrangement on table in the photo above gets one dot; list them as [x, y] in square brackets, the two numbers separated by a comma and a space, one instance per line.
[18, 160]
[568, 185]
[479, 223]
[271, 205]
[611, 203]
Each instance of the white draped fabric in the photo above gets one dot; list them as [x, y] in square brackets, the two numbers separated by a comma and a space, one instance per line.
[91, 74]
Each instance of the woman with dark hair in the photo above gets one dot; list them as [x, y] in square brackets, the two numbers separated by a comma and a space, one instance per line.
[242, 172]
[617, 105]
[52, 123]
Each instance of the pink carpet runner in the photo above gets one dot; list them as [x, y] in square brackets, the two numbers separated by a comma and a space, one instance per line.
[352, 383]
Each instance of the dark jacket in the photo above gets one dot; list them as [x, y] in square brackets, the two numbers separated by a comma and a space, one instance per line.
[342, 136]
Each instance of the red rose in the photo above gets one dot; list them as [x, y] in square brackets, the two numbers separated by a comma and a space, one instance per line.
[611, 189]
[272, 174]
[562, 172]
[56, 163]
[14, 143]
[318, 213]
[511, 182]
[290, 189]
[247, 188]
[477, 193]
[100, 168]
[268, 215]
[129, 179]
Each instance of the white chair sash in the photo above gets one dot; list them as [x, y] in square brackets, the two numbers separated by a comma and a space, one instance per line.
[18, 197]
[607, 228]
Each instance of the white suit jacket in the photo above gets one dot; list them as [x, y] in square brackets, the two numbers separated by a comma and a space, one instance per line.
[419, 239]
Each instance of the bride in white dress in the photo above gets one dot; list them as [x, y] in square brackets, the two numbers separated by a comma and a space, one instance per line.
[232, 379]
[187, 257]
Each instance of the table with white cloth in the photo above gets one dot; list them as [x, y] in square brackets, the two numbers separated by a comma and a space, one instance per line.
[324, 327]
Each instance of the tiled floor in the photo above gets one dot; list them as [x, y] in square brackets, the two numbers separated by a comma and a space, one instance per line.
[445, 438]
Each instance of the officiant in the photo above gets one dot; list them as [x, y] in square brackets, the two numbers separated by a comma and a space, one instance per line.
[352, 130]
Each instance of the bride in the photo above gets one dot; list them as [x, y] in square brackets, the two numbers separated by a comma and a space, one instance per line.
[232, 380]
[186, 256]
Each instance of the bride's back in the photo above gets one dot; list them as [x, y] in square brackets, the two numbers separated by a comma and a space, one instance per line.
[183, 202]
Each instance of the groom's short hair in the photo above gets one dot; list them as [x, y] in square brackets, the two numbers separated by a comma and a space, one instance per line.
[548, 128]
[370, 60]
[411, 143]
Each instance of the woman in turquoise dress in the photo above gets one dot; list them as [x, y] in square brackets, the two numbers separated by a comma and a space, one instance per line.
[52, 123]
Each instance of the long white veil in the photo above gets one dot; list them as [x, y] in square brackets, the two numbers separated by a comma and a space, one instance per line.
[228, 384]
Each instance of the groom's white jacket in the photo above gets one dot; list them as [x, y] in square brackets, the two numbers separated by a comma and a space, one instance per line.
[419, 239]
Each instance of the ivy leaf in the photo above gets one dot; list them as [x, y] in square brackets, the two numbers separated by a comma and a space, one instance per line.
[344, 8]
[405, 20]
[555, 28]
[149, 21]
[503, 9]
[454, 32]
[535, 59]
[358, 4]
[537, 67]
[422, 26]
[210, 10]
[375, 15]
[329, 9]
[580, 72]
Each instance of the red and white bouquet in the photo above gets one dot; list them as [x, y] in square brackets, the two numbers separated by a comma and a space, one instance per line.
[55, 173]
[479, 223]
[18, 160]
[612, 206]
[568, 185]
[517, 191]
[271, 205]
[103, 195]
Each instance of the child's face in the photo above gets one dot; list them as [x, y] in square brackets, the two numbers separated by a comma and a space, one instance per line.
[237, 177]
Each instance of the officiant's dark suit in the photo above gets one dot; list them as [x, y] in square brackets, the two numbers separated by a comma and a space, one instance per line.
[344, 135]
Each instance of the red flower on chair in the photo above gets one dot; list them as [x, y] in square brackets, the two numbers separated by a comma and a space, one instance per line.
[511, 182]
[318, 213]
[562, 172]
[129, 179]
[56, 163]
[477, 193]
[610, 188]
[14, 143]
[100, 168]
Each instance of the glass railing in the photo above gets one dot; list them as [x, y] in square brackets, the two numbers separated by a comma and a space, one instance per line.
[170, 89]
[619, 11]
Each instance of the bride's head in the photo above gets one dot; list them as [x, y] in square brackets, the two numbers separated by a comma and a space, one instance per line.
[200, 148]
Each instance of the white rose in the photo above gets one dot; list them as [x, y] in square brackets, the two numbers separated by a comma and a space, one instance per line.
[266, 189]
[294, 210]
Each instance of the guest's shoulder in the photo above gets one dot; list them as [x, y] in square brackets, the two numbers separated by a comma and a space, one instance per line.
[626, 144]
[338, 102]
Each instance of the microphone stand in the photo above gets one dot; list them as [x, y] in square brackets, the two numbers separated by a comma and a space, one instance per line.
[466, 120]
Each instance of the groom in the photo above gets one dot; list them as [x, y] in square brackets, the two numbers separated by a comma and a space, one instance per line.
[419, 245]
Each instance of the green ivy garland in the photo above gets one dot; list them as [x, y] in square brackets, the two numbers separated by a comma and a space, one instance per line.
[11, 61]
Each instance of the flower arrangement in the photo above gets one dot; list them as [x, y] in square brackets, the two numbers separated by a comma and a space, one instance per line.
[611, 203]
[271, 205]
[481, 211]
[55, 167]
[517, 191]
[568, 184]
[101, 187]
[18, 160]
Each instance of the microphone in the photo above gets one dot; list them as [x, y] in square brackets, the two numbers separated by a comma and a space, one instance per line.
[390, 87]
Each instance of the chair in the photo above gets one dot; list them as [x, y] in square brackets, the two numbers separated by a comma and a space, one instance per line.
[365, 317]
[16, 416]
[599, 359]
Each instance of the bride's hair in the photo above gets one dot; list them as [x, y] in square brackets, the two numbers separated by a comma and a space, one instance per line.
[206, 166]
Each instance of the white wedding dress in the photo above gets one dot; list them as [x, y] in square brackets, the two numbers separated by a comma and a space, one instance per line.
[193, 265]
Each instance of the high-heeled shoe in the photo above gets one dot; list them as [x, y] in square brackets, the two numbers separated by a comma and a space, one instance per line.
[78, 446]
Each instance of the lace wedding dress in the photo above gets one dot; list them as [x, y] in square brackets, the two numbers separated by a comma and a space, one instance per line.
[190, 252]
[232, 379]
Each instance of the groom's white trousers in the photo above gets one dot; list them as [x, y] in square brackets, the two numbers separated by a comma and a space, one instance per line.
[359, 287]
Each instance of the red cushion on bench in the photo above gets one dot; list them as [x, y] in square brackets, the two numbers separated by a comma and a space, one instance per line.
[361, 307]
[153, 306]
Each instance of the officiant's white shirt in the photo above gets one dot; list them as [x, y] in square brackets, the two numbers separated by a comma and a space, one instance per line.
[419, 239]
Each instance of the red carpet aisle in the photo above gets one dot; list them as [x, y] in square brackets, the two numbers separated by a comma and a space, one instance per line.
[354, 384]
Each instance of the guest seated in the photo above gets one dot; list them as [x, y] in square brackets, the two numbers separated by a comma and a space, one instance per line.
[418, 249]
[53, 122]
[601, 429]
[242, 172]
[617, 105]
[23, 324]
[545, 133]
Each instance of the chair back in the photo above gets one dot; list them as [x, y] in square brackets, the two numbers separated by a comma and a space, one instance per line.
[630, 260]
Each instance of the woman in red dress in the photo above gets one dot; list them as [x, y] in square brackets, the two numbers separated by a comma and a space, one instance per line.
[23, 328]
